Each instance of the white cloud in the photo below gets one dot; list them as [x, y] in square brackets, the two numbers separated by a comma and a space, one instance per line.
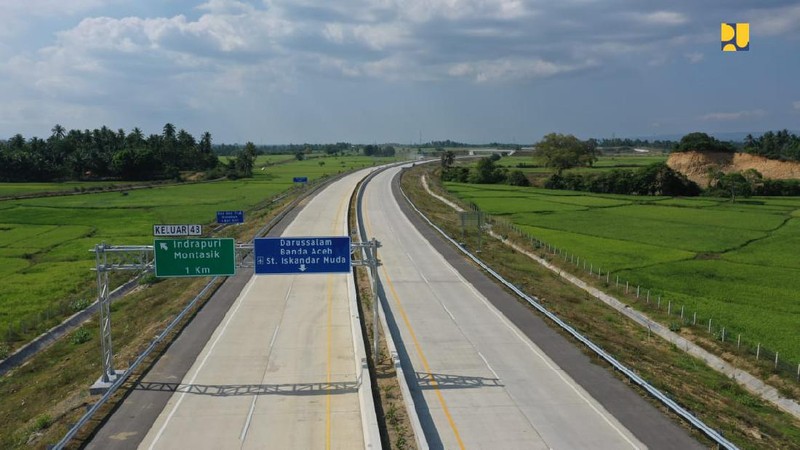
[512, 69]
[733, 116]
[49, 8]
[775, 21]
[229, 50]
[225, 6]
[375, 37]
[669, 18]
[695, 57]
[796, 105]
[425, 10]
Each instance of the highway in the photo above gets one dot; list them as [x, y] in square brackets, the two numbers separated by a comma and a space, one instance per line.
[283, 367]
[281, 370]
[478, 381]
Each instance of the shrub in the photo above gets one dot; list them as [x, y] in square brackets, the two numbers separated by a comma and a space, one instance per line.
[81, 336]
[79, 304]
[456, 174]
[148, 280]
[42, 422]
[517, 178]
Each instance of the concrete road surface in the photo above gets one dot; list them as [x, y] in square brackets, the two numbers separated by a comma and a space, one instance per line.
[478, 380]
[281, 369]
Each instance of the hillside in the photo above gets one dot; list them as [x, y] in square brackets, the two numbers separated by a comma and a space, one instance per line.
[696, 165]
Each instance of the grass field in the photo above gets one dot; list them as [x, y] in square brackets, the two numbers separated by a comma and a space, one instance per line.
[736, 263]
[604, 163]
[720, 402]
[44, 242]
[13, 189]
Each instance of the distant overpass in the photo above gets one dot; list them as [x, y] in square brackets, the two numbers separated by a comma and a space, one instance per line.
[502, 151]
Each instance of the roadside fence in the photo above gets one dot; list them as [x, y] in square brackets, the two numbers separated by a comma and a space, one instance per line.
[672, 312]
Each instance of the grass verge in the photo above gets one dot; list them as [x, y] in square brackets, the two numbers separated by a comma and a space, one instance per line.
[393, 420]
[719, 402]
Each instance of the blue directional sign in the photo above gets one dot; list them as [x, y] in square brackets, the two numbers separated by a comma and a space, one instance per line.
[296, 255]
[230, 216]
[301, 179]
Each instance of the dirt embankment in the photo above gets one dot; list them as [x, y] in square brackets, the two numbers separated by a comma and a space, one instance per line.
[696, 165]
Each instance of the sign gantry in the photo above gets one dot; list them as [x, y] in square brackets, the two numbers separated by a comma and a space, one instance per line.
[203, 257]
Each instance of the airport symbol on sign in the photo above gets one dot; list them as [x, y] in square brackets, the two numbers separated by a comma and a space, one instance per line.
[194, 257]
[177, 230]
[298, 255]
[230, 216]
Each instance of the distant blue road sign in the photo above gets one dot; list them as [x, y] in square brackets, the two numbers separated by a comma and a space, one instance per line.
[230, 216]
[296, 255]
[301, 179]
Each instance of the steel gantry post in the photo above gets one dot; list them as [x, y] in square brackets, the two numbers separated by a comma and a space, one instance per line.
[110, 258]
[373, 266]
[101, 257]
[369, 257]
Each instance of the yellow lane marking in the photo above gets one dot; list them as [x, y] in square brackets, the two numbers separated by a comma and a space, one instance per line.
[417, 345]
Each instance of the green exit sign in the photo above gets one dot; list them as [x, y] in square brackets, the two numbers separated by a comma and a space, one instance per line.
[194, 257]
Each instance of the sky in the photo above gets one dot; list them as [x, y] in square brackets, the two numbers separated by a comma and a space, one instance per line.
[404, 71]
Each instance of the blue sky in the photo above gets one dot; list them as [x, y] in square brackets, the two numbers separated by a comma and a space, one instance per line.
[281, 71]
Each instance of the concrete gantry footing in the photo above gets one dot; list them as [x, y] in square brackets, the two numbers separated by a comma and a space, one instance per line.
[100, 387]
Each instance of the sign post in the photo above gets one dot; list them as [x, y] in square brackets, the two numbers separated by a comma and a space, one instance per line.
[298, 255]
[194, 257]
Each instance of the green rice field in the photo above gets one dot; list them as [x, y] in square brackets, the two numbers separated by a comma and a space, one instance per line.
[534, 165]
[45, 242]
[734, 262]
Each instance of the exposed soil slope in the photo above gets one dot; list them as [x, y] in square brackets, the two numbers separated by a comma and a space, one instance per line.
[696, 165]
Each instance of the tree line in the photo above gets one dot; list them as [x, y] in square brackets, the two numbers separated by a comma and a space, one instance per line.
[486, 171]
[654, 179]
[105, 154]
[636, 143]
[376, 150]
[290, 149]
[780, 145]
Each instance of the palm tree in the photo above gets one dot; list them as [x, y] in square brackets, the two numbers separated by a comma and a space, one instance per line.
[135, 138]
[59, 132]
[169, 131]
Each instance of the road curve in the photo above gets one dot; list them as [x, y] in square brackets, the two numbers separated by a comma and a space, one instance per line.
[478, 380]
[280, 370]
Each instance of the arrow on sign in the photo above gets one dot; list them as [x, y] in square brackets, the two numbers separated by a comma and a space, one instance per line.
[164, 246]
[302, 267]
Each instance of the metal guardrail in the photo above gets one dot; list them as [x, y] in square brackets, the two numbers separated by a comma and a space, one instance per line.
[73, 431]
[533, 301]
[122, 378]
